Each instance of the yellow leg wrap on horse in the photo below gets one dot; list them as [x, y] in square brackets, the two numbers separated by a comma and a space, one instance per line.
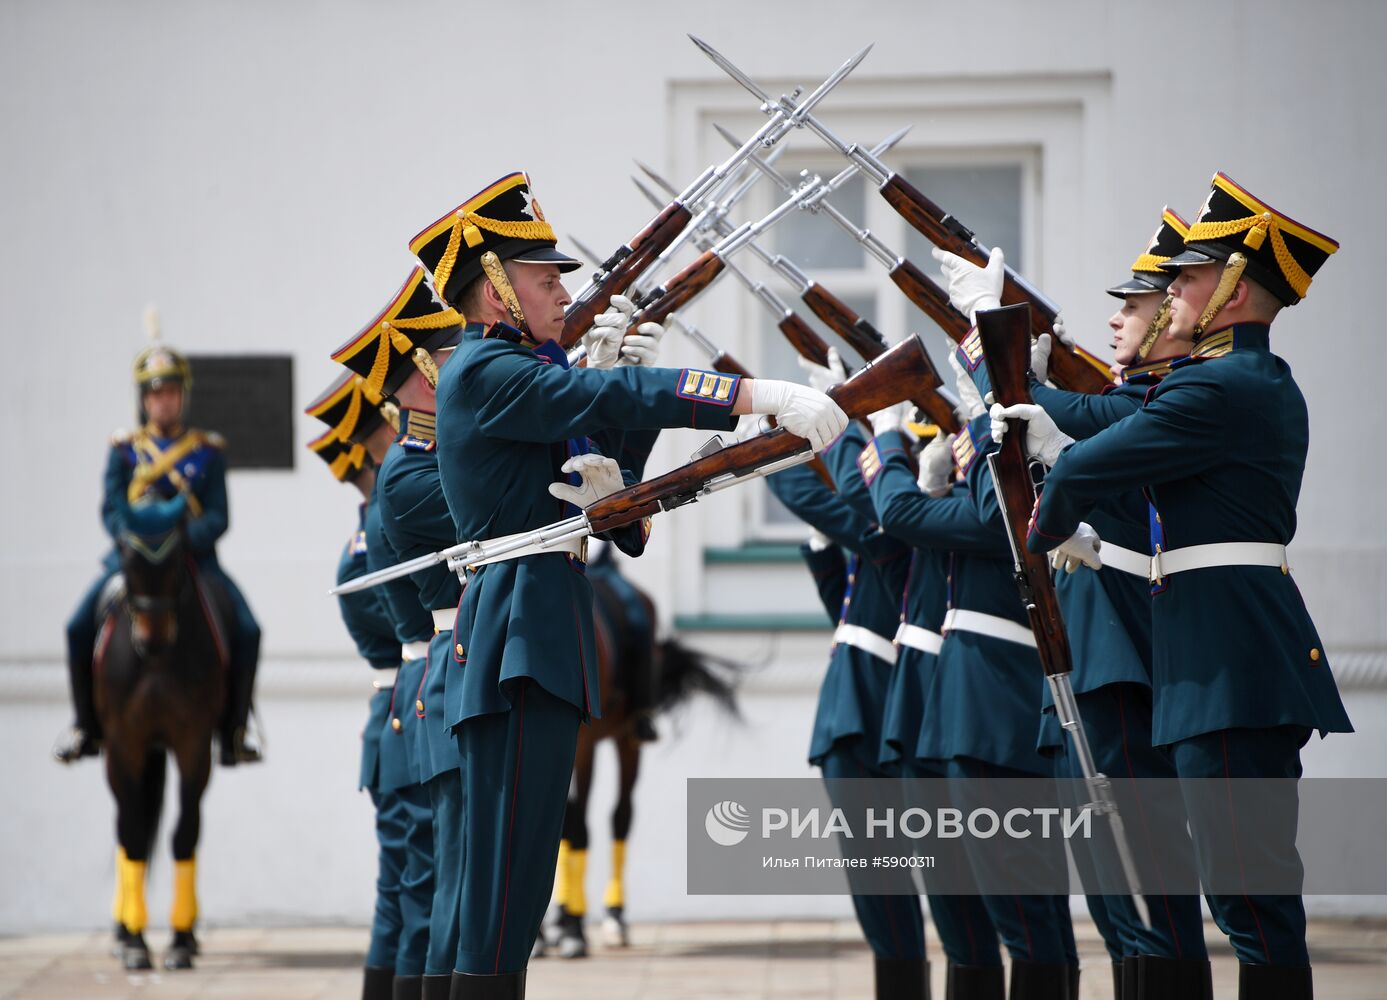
[184, 912]
[116, 911]
[616, 885]
[561, 874]
[575, 876]
[132, 909]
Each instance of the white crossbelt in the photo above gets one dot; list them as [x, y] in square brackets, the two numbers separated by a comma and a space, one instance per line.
[383, 680]
[919, 638]
[1125, 560]
[573, 546]
[959, 620]
[443, 619]
[414, 651]
[1190, 557]
[866, 640]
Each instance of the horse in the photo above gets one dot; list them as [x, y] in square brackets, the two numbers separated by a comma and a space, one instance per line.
[624, 618]
[159, 671]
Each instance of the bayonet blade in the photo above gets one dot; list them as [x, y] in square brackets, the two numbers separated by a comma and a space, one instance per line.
[727, 67]
[664, 185]
[807, 105]
[650, 195]
[586, 251]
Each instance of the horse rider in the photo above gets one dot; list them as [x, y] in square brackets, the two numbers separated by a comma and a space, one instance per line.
[513, 418]
[161, 460]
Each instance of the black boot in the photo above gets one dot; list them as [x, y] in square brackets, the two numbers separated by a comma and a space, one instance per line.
[74, 744]
[1074, 982]
[436, 987]
[902, 979]
[240, 687]
[1275, 982]
[1118, 991]
[506, 986]
[84, 738]
[974, 982]
[1038, 981]
[1131, 977]
[377, 984]
[407, 988]
[1190, 979]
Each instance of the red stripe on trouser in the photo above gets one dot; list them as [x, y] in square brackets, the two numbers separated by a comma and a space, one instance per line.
[510, 829]
[1251, 907]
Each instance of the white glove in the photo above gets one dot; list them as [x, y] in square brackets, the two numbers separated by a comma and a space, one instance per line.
[1061, 332]
[603, 339]
[640, 349]
[892, 418]
[601, 476]
[752, 426]
[803, 411]
[969, 402]
[1040, 356]
[818, 541]
[822, 378]
[972, 288]
[937, 465]
[1079, 549]
[1044, 441]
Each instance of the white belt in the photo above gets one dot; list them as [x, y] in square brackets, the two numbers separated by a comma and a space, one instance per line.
[919, 638]
[959, 620]
[1125, 560]
[573, 546]
[414, 651]
[865, 640]
[443, 619]
[384, 679]
[1190, 557]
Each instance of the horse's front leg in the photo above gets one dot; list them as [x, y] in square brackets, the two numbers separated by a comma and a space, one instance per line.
[194, 771]
[614, 932]
[132, 856]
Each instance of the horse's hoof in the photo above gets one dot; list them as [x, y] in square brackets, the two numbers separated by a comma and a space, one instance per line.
[614, 932]
[178, 957]
[119, 940]
[571, 946]
[136, 957]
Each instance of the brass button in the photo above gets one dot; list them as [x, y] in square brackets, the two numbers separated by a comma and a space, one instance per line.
[1314, 656]
[395, 725]
[458, 649]
[1285, 570]
[419, 705]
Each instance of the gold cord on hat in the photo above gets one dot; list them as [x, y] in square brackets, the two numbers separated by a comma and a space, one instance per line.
[496, 274]
[1227, 284]
[1258, 228]
[1158, 325]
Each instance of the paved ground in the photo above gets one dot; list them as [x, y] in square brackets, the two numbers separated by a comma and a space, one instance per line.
[816, 960]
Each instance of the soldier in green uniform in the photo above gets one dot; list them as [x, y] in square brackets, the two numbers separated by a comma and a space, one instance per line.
[859, 573]
[361, 432]
[1240, 678]
[401, 351]
[374, 636]
[1107, 611]
[162, 460]
[512, 419]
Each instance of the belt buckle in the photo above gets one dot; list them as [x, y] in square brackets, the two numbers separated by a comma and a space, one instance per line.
[1156, 577]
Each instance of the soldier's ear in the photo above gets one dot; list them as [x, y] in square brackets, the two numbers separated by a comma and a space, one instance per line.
[1242, 291]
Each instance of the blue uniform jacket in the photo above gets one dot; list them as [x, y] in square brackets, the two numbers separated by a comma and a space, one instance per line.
[852, 698]
[201, 472]
[1220, 449]
[508, 417]
[370, 627]
[985, 692]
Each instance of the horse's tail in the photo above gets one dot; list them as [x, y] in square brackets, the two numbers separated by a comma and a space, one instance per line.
[685, 672]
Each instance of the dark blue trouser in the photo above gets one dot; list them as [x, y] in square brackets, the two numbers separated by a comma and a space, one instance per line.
[1034, 928]
[1263, 930]
[965, 930]
[516, 769]
[416, 881]
[893, 925]
[386, 923]
[446, 799]
[1117, 721]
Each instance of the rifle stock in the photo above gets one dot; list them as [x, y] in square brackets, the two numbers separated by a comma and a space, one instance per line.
[860, 335]
[1006, 342]
[623, 268]
[888, 380]
[1071, 368]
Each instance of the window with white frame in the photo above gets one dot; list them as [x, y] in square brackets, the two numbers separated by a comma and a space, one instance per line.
[988, 190]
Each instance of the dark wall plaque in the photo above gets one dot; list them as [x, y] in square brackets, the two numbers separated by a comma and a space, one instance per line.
[249, 400]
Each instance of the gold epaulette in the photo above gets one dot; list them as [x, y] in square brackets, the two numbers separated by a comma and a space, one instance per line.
[214, 439]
